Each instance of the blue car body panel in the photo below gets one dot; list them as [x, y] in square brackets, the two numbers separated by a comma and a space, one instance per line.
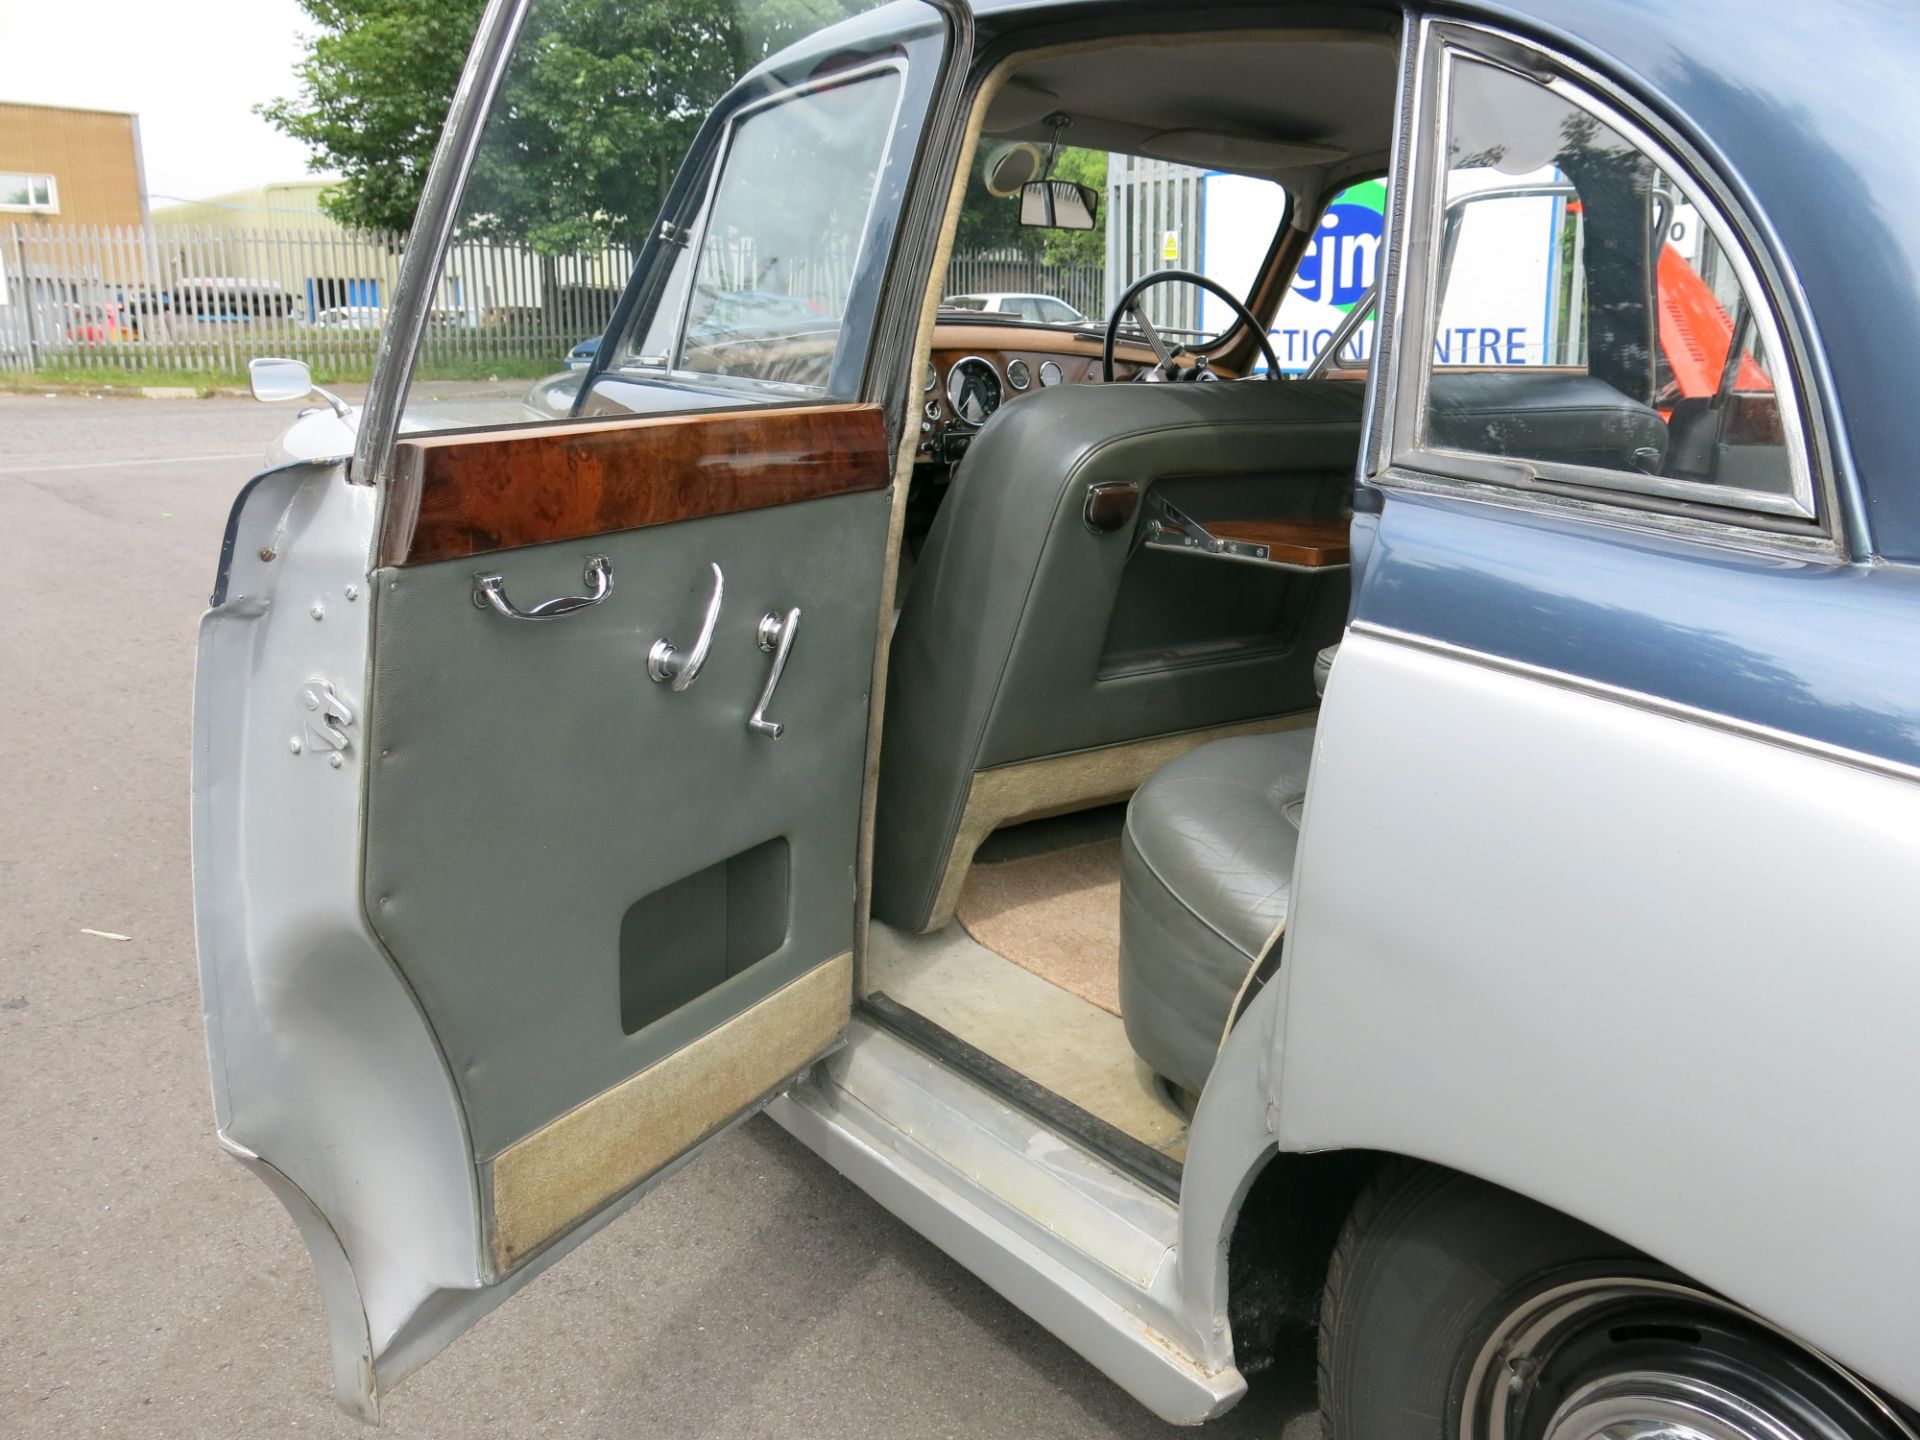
[1828, 652]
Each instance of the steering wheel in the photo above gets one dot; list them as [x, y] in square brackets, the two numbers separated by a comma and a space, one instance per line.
[1129, 304]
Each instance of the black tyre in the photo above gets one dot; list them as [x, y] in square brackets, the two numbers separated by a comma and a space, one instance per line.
[1458, 1311]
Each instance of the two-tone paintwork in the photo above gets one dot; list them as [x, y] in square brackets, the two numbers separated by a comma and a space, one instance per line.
[1606, 889]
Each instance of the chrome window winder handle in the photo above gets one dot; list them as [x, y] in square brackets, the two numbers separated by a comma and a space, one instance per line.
[490, 593]
[775, 635]
[664, 660]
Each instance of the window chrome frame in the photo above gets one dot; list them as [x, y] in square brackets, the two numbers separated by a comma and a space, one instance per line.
[1805, 521]
[432, 238]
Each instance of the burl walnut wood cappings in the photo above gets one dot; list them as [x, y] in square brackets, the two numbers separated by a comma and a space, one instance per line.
[466, 494]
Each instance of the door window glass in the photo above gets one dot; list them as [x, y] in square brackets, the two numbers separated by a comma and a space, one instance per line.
[1583, 307]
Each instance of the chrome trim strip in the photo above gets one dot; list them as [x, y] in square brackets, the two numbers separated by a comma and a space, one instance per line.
[432, 233]
[1639, 700]
[1726, 530]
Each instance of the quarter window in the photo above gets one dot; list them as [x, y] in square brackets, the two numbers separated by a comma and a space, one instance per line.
[783, 232]
[1587, 321]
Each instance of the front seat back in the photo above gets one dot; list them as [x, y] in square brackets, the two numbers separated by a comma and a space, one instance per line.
[1041, 666]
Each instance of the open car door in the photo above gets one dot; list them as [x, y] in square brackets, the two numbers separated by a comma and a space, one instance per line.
[530, 748]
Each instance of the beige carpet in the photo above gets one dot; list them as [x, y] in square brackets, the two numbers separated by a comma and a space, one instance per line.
[1056, 914]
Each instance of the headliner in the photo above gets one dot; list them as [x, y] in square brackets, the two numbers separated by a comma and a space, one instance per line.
[1287, 106]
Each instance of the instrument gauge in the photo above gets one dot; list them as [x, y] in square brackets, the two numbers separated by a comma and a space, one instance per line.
[1050, 373]
[973, 389]
[1018, 375]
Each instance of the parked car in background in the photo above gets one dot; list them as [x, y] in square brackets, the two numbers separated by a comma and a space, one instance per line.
[1041, 309]
[350, 317]
[1502, 971]
[229, 299]
[581, 356]
[95, 324]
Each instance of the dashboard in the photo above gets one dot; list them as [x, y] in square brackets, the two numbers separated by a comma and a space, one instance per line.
[978, 368]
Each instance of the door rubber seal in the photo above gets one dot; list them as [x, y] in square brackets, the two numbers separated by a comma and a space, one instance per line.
[1137, 1160]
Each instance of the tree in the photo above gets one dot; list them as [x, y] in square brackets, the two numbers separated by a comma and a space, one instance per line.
[374, 88]
[598, 108]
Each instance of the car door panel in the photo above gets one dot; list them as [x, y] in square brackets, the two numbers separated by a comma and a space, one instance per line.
[551, 728]
[496, 928]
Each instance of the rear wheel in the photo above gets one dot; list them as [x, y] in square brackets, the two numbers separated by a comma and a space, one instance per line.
[1458, 1311]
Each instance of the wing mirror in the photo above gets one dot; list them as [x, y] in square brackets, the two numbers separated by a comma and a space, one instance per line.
[1059, 205]
[273, 380]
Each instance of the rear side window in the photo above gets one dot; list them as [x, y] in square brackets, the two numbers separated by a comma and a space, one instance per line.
[1587, 318]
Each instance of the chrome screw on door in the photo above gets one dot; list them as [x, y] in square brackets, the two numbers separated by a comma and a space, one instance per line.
[664, 660]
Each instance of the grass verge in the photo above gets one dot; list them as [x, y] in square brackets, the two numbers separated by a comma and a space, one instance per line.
[69, 378]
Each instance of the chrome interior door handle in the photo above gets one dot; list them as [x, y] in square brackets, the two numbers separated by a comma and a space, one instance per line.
[775, 635]
[490, 593]
[665, 662]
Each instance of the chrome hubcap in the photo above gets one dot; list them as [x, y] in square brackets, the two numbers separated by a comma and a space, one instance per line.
[1526, 1361]
[1656, 1406]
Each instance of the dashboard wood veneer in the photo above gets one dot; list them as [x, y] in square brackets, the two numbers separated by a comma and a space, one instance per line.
[466, 494]
[1317, 541]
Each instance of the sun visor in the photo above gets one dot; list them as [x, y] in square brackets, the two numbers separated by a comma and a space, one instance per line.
[1018, 105]
[1215, 150]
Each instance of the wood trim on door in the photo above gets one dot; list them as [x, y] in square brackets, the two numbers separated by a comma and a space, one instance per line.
[471, 492]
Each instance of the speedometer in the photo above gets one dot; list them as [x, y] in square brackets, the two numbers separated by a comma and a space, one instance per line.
[973, 389]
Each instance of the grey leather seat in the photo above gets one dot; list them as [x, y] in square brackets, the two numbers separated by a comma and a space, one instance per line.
[1040, 665]
[1207, 875]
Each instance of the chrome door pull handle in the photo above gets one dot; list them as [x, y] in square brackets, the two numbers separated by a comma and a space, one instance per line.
[775, 635]
[665, 662]
[490, 593]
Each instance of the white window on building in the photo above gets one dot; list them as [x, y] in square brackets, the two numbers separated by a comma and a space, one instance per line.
[28, 192]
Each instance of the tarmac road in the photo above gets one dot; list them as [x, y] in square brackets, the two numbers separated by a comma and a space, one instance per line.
[151, 1288]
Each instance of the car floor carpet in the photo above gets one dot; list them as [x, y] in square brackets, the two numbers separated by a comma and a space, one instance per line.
[1054, 912]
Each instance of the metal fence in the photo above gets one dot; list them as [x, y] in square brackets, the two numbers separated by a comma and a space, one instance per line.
[163, 298]
[1155, 211]
[166, 298]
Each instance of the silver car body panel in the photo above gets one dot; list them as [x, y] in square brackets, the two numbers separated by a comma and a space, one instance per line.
[327, 1083]
[322, 1066]
[1628, 988]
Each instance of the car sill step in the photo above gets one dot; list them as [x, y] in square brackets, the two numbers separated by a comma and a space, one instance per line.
[1065, 1236]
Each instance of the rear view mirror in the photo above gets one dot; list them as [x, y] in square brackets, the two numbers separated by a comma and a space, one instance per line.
[1059, 205]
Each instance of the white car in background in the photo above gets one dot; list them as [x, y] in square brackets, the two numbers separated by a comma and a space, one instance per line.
[1042, 309]
[349, 317]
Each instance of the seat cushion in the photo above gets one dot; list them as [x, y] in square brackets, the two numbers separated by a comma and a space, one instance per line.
[1207, 873]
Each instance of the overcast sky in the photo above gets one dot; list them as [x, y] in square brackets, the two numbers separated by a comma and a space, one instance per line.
[192, 72]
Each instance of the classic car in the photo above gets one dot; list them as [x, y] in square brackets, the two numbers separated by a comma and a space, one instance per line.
[1419, 854]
